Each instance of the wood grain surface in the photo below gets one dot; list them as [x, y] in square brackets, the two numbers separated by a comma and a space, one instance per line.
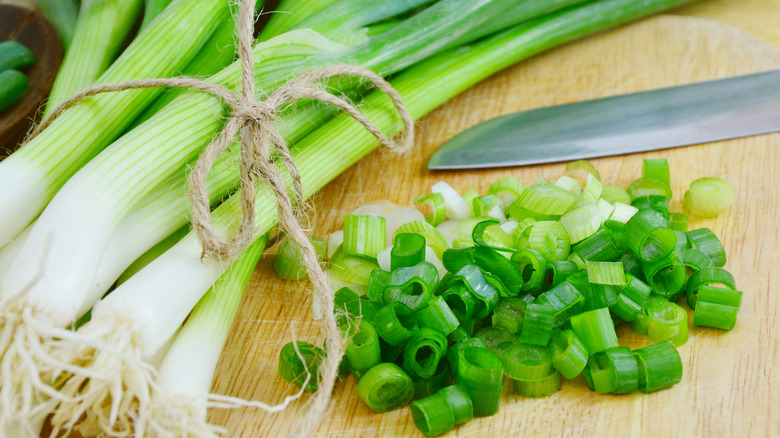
[730, 383]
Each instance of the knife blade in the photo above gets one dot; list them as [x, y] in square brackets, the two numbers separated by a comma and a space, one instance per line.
[657, 119]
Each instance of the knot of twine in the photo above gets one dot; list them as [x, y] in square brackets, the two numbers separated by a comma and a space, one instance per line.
[255, 120]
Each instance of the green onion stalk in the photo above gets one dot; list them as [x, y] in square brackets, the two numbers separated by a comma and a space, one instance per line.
[146, 310]
[288, 13]
[217, 53]
[148, 154]
[100, 32]
[180, 400]
[40, 167]
[83, 283]
[153, 8]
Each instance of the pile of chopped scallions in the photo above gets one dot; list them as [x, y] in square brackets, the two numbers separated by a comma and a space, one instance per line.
[526, 283]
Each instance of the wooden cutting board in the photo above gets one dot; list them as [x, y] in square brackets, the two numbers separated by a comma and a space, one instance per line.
[729, 385]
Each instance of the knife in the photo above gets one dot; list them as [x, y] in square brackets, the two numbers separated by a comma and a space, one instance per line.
[657, 119]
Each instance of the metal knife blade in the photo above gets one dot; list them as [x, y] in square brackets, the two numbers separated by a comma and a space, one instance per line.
[657, 119]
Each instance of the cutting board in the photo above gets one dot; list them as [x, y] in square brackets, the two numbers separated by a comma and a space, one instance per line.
[729, 382]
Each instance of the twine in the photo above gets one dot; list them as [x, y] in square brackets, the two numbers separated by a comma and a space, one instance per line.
[255, 121]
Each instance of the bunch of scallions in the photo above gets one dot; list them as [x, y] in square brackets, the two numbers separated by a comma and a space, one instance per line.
[100, 194]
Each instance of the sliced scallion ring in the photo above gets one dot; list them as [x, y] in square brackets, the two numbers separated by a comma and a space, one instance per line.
[547, 199]
[649, 186]
[438, 208]
[580, 169]
[708, 197]
[581, 222]
[551, 239]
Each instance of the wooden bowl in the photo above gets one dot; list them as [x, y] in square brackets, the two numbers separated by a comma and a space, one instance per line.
[32, 29]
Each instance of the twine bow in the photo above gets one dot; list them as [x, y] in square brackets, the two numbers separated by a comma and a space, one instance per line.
[255, 121]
